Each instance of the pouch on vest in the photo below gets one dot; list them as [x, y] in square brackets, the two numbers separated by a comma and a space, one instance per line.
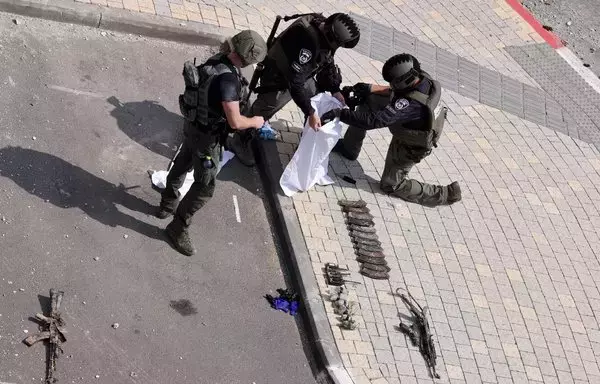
[438, 126]
[188, 101]
[194, 103]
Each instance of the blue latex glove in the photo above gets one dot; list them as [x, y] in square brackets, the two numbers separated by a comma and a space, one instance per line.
[267, 133]
[294, 308]
[281, 304]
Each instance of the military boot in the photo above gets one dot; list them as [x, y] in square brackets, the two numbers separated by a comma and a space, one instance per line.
[454, 193]
[242, 149]
[180, 239]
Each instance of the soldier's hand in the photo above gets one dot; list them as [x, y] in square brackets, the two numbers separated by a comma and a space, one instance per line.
[314, 121]
[362, 90]
[259, 121]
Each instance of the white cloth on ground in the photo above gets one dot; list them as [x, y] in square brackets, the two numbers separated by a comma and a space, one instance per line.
[159, 178]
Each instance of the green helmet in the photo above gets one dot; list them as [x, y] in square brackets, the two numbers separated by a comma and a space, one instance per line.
[250, 47]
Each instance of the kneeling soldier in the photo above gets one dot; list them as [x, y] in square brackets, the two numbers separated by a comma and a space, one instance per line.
[407, 107]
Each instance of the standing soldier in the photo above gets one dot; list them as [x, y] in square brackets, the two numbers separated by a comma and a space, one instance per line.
[303, 51]
[407, 107]
[210, 106]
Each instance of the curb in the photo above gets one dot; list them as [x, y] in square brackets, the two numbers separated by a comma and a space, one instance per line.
[120, 20]
[292, 239]
[550, 38]
[287, 224]
[557, 44]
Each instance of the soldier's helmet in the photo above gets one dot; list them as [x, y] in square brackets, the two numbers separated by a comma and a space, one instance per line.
[401, 71]
[341, 31]
[250, 47]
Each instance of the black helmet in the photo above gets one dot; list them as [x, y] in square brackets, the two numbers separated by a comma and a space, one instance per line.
[341, 31]
[401, 71]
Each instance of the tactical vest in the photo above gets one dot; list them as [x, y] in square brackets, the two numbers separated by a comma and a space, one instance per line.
[423, 134]
[276, 54]
[194, 103]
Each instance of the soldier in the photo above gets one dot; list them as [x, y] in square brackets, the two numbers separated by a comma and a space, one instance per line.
[407, 107]
[210, 106]
[302, 51]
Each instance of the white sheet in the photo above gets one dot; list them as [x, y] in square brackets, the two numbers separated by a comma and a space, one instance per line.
[310, 162]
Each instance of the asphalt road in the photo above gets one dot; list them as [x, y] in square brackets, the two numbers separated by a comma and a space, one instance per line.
[577, 22]
[84, 115]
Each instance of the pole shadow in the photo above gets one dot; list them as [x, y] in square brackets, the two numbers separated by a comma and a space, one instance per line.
[65, 185]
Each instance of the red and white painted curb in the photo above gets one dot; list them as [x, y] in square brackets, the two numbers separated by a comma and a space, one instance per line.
[557, 43]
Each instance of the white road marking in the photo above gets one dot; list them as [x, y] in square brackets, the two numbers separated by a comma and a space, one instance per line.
[75, 91]
[237, 209]
[587, 75]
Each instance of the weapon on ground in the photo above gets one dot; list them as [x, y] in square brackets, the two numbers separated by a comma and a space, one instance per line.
[419, 332]
[53, 331]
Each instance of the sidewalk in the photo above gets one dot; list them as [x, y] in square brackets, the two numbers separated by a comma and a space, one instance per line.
[510, 273]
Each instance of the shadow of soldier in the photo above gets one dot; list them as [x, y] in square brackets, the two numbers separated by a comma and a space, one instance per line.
[149, 124]
[67, 186]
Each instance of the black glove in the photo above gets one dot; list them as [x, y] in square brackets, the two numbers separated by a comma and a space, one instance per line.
[362, 90]
[328, 116]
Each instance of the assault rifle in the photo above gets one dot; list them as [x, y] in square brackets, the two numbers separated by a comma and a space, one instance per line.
[54, 332]
[418, 332]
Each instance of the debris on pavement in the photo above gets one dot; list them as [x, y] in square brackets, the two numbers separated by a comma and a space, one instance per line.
[363, 234]
[346, 309]
[53, 330]
[15, 21]
[335, 275]
[115, 325]
[419, 332]
[287, 301]
[547, 28]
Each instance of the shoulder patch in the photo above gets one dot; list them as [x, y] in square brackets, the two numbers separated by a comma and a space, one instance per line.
[401, 104]
[305, 56]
